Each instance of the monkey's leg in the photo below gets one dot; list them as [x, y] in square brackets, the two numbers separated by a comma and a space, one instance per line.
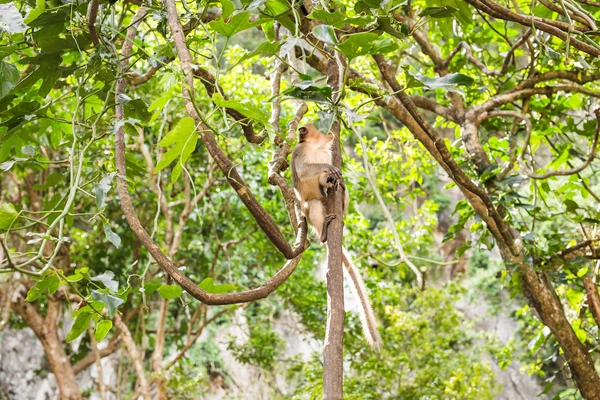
[328, 219]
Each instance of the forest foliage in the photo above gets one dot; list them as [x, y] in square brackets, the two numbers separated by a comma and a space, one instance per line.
[469, 138]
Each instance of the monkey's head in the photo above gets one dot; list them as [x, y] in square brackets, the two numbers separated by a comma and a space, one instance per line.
[309, 133]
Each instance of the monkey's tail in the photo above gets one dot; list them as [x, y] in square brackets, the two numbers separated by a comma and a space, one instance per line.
[367, 317]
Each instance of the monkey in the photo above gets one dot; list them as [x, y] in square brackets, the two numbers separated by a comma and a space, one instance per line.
[313, 175]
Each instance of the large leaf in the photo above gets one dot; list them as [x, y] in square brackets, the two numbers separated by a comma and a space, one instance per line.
[449, 82]
[137, 109]
[111, 302]
[325, 34]
[317, 94]
[8, 214]
[11, 19]
[47, 70]
[265, 48]
[107, 279]
[236, 24]
[227, 8]
[170, 291]
[438, 12]
[81, 324]
[338, 18]
[102, 329]
[40, 7]
[111, 236]
[246, 109]
[9, 76]
[183, 138]
[365, 43]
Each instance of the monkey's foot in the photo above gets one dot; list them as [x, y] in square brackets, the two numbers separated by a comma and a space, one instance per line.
[328, 219]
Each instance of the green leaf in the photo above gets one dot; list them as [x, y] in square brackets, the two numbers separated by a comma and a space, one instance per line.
[562, 159]
[574, 297]
[571, 205]
[449, 82]
[246, 109]
[111, 302]
[34, 293]
[364, 43]
[159, 103]
[111, 236]
[183, 138]
[74, 278]
[227, 8]
[53, 283]
[102, 329]
[325, 33]
[236, 24]
[81, 324]
[265, 48]
[315, 94]
[365, 5]
[170, 291]
[107, 279]
[338, 18]
[137, 109]
[9, 76]
[208, 285]
[40, 7]
[438, 12]
[151, 287]
[8, 214]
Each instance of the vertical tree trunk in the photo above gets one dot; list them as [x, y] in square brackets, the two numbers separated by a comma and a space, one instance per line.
[60, 365]
[333, 374]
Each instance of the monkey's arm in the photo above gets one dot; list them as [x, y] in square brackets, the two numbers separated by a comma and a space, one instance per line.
[306, 171]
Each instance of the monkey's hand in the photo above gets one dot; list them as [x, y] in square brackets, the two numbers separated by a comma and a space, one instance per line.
[333, 177]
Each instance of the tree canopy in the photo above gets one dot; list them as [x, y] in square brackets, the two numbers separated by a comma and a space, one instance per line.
[146, 200]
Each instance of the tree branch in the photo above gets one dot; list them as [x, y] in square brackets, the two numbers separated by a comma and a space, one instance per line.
[264, 220]
[593, 299]
[559, 29]
[581, 167]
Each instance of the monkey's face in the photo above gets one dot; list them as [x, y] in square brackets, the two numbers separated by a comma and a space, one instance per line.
[308, 133]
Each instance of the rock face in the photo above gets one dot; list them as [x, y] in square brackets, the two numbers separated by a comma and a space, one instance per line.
[24, 372]
[515, 386]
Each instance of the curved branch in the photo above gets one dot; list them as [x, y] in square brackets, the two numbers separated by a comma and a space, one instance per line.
[510, 96]
[262, 217]
[209, 83]
[577, 17]
[580, 168]
[279, 163]
[559, 29]
[577, 76]
[479, 64]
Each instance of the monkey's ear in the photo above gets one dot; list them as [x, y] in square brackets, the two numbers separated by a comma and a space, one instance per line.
[303, 131]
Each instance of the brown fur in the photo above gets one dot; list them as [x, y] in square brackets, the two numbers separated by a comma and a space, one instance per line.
[313, 174]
